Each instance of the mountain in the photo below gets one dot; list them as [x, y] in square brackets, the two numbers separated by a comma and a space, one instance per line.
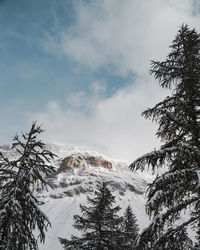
[79, 171]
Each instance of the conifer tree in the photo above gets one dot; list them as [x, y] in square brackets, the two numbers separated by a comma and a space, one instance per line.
[99, 223]
[129, 229]
[179, 240]
[178, 117]
[196, 246]
[19, 211]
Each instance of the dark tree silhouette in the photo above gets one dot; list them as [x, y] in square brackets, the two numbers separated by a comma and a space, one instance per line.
[129, 229]
[19, 211]
[99, 223]
[178, 117]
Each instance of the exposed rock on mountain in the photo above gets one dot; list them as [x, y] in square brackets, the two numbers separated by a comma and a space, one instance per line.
[99, 162]
[79, 171]
[79, 160]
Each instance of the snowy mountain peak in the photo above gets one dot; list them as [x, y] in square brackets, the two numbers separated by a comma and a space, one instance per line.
[79, 171]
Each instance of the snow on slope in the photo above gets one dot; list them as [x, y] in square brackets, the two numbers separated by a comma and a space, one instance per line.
[63, 202]
[73, 186]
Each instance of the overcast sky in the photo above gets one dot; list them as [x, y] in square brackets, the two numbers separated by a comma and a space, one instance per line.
[81, 68]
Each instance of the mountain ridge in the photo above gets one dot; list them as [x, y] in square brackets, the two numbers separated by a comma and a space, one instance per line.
[72, 186]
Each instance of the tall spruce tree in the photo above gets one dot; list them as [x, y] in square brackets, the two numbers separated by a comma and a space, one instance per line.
[129, 229]
[20, 215]
[178, 117]
[99, 223]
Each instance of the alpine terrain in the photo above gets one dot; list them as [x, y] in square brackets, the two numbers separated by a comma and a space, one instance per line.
[78, 173]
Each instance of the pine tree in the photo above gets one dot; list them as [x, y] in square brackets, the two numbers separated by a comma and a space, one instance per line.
[196, 246]
[99, 223]
[178, 117]
[130, 229]
[20, 215]
[176, 241]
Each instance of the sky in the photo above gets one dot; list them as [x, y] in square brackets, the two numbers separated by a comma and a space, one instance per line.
[81, 69]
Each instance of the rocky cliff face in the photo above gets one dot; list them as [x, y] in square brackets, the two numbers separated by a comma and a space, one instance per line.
[80, 160]
[79, 173]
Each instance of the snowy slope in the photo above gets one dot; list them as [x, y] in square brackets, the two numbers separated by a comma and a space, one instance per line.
[71, 188]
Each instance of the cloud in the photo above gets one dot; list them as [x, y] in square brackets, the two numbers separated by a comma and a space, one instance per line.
[89, 97]
[98, 88]
[77, 99]
[125, 34]
[114, 122]
[122, 36]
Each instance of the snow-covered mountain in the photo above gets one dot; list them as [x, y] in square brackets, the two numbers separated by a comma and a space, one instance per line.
[79, 171]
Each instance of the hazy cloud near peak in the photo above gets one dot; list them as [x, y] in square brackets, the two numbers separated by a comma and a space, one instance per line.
[114, 122]
[126, 34]
[120, 37]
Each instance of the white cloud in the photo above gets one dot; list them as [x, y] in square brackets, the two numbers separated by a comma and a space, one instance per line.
[126, 34]
[85, 101]
[77, 99]
[98, 88]
[114, 122]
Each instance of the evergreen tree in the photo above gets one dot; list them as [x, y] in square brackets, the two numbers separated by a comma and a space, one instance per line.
[178, 117]
[99, 223]
[196, 246]
[178, 240]
[19, 211]
[130, 229]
